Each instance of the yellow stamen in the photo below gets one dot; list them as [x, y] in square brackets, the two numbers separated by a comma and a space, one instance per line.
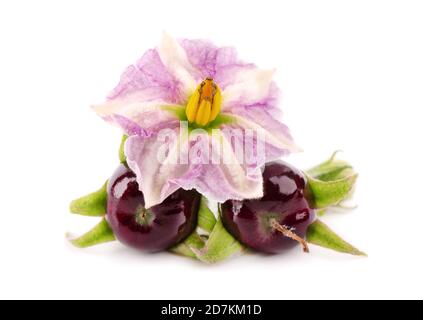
[192, 106]
[203, 114]
[217, 102]
[204, 105]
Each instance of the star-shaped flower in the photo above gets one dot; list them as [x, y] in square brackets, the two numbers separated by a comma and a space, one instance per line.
[198, 117]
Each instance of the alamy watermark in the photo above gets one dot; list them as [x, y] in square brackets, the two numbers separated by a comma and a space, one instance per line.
[228, 146]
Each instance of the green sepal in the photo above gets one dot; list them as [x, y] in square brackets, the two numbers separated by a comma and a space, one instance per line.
[185, 248]
[220, 246]
[321, 212]
[206, 222]
[321, 235]
[216, 247]
[206, 218]
[122, 156]
[323, 194]
[330, 183]
[101, 233]
[331, 169]
[93, 204]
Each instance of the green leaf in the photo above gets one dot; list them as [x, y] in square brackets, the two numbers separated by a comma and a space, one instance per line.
[321, 235]
[93, 204]
[122, 156]
[206, 218]
[101, 233]
[323, 194]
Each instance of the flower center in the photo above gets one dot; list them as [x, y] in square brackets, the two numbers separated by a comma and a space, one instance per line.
[204, 105]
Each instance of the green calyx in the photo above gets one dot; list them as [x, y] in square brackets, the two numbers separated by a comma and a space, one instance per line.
[215, 246]
[321, 235]
[101, 233]
[93, 204]
[331, 169]
[330, 183]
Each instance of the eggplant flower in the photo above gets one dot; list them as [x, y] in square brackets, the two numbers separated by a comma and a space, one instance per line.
[198, 118]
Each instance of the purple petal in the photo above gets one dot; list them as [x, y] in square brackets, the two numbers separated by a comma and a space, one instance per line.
[158, 174]
[135, 118]
[220, 63]
[275, 136]
[128, 126]
[233, 180]
[174, 57]
[150, 80]
[159, 177]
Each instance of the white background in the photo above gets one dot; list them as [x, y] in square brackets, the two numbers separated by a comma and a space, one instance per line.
[352, 77]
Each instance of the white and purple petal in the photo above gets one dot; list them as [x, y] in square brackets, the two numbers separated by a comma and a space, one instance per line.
[220, 63]
[175, 58]
[147, 80]
[249, 86]
[160, 173]
[132, 116]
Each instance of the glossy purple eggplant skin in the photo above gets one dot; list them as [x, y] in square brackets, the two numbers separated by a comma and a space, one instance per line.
[250, 220]
[155, 229]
